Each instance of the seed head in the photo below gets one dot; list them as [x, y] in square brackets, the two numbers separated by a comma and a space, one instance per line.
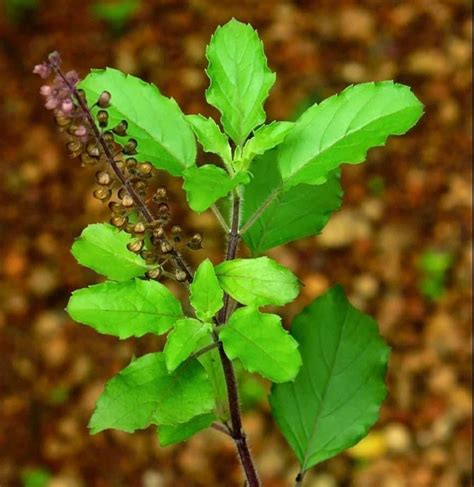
[104, 99]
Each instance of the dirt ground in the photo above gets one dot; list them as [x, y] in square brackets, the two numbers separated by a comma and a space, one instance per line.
[409, 204]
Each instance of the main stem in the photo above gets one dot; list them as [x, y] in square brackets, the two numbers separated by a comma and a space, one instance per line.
[237, 433]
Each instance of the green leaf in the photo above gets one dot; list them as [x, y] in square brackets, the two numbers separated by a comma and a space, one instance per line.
[265, 138]
[258, 282]
[240, 78]
[342, 129]
[170, 435]
[182, 341]
[103, 248]
[260, 342]
[125, 309]
[336, 397]
[207, 297]
[288, 214]
[210, 136]
[156, 122]
[204, 185]
[145, 393]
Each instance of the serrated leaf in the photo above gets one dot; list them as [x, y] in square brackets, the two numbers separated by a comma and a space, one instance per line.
[337, 394]
[343, 127]
[257, 282]
[204, 185]
[182, 341]
[154, 121]
[210, 136]
[260, 342]
[207, 297]
[240, 78]
[265, 138]
[103, 248]
[125, 309]
[145, 393]
[288, 214]
[170, 435]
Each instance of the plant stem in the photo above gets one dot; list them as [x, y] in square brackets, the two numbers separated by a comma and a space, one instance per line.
[220, 218]
[237, 433]
[141, 205]
[260, 210]
[299, 479]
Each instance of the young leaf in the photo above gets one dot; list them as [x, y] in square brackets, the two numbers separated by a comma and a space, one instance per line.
[342, 129]
[103, 248]
[336, 396]
[260, 342]
[258, 282]
[170, 435]
[240, 78]
[182, 341]
[145, 393]
[206, 294]
[210, 136]
[126, 309]
[285, 214]
[204, 185]
[154, 121]
[265, 138]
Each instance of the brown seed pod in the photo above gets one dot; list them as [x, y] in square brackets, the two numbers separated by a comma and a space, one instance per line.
[87, 160]
[62, 121]
[104, 99]
[117, 208]
[160, 194]
[166, 247]
[108, 137]
[102, 118]
[158, 232]
[163, 210]
[196, 242]
[180, 275]
[140, 186]
[130, 147]
[82, 95]
[176, 231]
[127, 201]
[154, 273]
[103, 178]
[139, 228]
[102, 194]
[93, 150]
[74, 146]
[121, 128]
[118, 221]
[135, 246]
[145, 169]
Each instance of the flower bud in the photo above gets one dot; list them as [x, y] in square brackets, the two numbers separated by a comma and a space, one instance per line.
[42, 70]
[54, 59]
[67, 106]
[46, 90]
[80, 131]
[104, 99]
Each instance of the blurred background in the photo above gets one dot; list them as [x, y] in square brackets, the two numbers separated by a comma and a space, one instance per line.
[400, 245]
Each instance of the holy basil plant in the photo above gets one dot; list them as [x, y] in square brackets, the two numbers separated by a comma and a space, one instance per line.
[276, 182]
